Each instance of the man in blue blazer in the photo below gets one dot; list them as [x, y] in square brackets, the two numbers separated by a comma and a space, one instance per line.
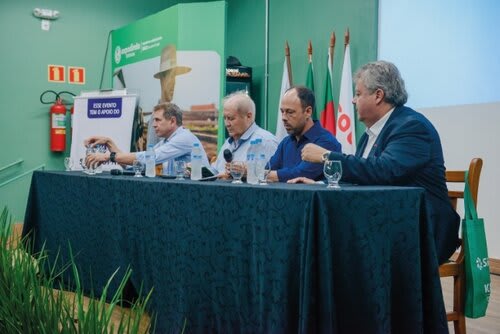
[400, 147]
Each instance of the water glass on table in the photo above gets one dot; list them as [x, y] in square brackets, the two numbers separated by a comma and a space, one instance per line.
[180, 169]
[137, 166]
[68, 164]
[236, 170]
[262, 170]
[333, 173]
[90, 168]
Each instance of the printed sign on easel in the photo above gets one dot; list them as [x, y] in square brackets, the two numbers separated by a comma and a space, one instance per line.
[109, 114]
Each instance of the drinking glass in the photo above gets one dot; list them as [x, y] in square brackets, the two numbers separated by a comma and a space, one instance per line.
[180, 169]
[168, 168]
[68, 164]
[333, 172]
[237, 169]
[262, 171]
[83, 165]
[137, 165]
[91, 167]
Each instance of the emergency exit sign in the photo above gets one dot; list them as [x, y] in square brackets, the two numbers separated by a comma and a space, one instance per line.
[56, 73]
[76, 75]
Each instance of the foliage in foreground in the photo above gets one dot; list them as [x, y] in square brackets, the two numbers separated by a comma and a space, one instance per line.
[29, 304]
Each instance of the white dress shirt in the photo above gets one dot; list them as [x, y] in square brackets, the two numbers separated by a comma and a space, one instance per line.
[177, 147]
[240, 147]
[374, 131]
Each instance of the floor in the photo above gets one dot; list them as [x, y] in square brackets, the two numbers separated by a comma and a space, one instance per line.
[490, 324]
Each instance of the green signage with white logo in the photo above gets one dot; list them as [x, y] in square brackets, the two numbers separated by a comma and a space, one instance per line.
[177, 55]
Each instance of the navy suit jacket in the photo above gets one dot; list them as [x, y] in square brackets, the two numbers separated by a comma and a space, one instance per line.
[408, 152]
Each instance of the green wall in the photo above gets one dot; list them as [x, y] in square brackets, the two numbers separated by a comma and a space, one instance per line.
[78, 38]
[297, 22]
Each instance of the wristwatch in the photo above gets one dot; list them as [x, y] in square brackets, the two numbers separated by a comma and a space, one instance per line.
[325, 156]
[112, 157]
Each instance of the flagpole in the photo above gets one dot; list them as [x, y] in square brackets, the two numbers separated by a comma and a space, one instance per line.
[332, 51]
[288, 63]
[346, 39]
[310, 51]
[310, 74]
[285, 85]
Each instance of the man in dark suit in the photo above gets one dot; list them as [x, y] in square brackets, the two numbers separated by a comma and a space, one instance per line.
[400, 147]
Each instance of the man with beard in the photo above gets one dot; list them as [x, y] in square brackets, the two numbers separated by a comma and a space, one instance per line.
[297, 108]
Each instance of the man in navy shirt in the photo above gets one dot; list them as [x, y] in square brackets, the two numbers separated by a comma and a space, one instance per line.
[297, 108]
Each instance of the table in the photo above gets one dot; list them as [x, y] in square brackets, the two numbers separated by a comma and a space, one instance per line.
[247, 258]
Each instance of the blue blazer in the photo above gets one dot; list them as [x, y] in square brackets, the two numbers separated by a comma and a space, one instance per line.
[408, 152]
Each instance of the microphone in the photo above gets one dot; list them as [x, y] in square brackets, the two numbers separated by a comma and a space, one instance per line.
[122, 172]
[228, 155]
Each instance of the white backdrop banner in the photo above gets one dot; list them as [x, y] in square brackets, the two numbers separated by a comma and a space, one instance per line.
[109, 114]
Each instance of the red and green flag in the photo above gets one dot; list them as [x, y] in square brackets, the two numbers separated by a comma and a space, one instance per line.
[327, 118]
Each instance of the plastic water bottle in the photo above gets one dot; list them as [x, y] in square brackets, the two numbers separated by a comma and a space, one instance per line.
[150, 161]
[196, 162]
[251, 163]
[261, 160]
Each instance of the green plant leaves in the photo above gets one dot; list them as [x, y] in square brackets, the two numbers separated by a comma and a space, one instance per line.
[29, 303]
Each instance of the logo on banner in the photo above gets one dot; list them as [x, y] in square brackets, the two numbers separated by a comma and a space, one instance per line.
[104, 108]
[56, 73]
[118, 54]
[127, 52]
[76, 75]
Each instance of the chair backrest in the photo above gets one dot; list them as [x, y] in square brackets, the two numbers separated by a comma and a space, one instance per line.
[475, 167]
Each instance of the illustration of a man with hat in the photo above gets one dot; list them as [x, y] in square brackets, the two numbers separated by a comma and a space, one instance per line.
[167, 73]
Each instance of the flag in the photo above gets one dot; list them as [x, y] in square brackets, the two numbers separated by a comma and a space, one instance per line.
[285, 85]
[310, 77]
[345, 113]
[328, 113]
[310, 82]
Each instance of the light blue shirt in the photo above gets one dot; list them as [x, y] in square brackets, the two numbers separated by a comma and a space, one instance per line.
[240, 147]
[177, 147]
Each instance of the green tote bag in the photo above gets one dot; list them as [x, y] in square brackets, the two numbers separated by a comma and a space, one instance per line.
[477, 270]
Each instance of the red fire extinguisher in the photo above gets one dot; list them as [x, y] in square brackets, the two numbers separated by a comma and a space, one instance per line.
[57, 120]
[58, 126]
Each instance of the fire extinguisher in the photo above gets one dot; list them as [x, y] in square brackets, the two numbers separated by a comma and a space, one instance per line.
[58, 126]
[57, 121]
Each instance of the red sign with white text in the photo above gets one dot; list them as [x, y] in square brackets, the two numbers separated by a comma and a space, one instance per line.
[76, 75]
[56, 73]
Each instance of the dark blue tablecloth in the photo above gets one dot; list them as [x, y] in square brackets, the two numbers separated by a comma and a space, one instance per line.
[250, 259]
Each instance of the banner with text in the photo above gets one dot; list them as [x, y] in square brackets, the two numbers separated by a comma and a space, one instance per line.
[109, 114]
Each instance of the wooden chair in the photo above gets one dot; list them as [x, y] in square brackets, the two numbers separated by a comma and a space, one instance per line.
[455, 267]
